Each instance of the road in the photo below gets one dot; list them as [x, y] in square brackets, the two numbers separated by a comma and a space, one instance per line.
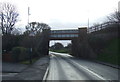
[66, 67]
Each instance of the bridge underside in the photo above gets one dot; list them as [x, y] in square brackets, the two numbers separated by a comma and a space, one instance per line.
[62, 38]
[75, 43]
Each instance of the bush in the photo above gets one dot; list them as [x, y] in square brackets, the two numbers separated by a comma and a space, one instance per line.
[19, 53]
[10, 41]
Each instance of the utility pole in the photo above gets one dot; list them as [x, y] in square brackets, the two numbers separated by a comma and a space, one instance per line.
[119, 6]
[31, 34]
[88, 22]
[28, 14]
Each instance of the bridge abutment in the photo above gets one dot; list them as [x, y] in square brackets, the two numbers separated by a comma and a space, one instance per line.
[79, 44]
[85, 49]
[46, 38]
[75, 49]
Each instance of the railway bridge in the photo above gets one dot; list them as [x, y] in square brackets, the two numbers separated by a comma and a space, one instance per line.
[78, 38]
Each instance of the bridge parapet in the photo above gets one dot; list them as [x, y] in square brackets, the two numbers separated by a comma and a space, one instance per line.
[64, 34]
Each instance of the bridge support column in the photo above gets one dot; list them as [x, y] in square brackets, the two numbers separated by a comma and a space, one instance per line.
[82, 43]
[85, 50]
[46, 38]
[75, 49]
[79, 46]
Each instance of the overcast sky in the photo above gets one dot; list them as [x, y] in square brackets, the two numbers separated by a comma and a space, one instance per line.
[64, 14]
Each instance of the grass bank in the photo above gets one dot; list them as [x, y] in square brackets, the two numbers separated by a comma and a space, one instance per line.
[111, 53]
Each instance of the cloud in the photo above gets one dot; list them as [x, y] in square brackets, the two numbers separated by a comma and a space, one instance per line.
[66, 25]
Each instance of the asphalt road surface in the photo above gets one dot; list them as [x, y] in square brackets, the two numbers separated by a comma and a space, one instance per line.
[66, 67]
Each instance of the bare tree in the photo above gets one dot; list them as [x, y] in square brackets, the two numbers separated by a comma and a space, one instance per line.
[115, 17]
[16, 31]
[36, 27]
[8, 17]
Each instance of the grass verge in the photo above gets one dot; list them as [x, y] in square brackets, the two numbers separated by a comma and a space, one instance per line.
[111, 53]
[61, 51]
[27, 62]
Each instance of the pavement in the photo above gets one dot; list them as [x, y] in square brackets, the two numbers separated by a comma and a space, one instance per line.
[12, 67]
[35, 71]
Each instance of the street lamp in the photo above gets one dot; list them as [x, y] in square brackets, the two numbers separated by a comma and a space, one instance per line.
[119, 6]
[31, 34]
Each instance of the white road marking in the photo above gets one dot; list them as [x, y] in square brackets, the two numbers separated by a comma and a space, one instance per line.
[45, 76]
[90, 71]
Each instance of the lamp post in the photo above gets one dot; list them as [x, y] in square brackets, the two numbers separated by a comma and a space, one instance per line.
[88, 22]
[31, 34]
[28, 14]
[119, 6]
[31, 49]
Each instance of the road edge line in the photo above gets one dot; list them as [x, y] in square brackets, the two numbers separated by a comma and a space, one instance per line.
[46, 74]
[103, 63]
[90, 71]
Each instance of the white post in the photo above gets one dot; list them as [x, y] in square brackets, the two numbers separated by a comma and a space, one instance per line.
[119, 6]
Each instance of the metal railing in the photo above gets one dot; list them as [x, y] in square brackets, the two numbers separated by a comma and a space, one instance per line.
[100, 26]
